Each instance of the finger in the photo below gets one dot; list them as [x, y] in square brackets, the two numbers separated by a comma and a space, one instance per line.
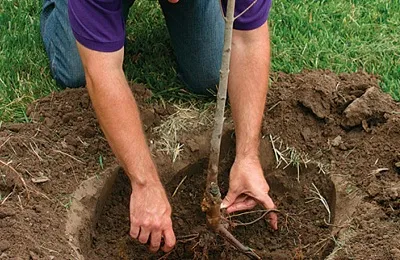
[248, 203]
[229, 199]
[155, 241]
[267, 202]
[135, 228]
[273, 220]
[241, 198]
[173, 1]
[169, 240]
[144, 235]
[134, 231]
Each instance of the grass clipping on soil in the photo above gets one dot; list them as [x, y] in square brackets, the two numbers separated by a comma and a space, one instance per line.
[186, 118]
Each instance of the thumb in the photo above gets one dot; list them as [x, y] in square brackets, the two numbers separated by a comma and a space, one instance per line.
[229, 199]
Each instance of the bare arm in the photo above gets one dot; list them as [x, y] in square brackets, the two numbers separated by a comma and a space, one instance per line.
[119, 119]
[117, 113]
[248, 85]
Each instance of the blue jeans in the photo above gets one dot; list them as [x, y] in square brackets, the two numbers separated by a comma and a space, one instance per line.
[196, 29]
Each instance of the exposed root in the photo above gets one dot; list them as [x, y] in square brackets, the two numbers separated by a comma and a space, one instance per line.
[222, 231]
[187, 238]
[247, 213]
[266, 212]
[166, 255]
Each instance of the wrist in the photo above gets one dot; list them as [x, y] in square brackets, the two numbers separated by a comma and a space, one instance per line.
[247, 145]
[247, 158]
[143, 174]
[248, 152]
[144, 182]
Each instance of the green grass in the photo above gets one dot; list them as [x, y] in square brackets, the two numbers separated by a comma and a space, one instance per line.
[343, 36]
[24, 74]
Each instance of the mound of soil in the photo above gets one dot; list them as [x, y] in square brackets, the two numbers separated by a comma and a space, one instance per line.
[348, 124]
[348, 128]
[42, 164]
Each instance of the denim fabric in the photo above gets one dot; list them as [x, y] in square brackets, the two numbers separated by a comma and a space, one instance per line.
[65, 62]
[196, 30]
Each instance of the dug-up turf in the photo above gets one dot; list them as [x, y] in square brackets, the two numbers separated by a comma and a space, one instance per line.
[330, 151]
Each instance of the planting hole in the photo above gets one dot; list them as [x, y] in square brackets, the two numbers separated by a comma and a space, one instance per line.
[304, 218]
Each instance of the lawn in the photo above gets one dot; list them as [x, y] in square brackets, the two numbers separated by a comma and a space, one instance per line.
[343, 36]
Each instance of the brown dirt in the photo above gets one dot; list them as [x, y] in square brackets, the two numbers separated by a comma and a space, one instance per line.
[344, 123]
[302, 223]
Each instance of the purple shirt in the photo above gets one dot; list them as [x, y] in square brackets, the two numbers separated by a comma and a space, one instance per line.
[99, 24]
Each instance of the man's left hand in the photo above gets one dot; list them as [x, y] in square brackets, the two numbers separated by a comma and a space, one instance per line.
[247, 188]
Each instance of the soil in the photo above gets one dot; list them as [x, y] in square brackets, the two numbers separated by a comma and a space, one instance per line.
[304, 221]
[346, 127]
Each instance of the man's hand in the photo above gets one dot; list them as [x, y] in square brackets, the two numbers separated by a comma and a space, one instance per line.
[247, 187]
[119, 117]
[150, 215]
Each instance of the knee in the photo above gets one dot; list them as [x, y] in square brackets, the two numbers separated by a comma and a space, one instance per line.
[69, 80]
[67, 71]
[65, 62]
[202, 81]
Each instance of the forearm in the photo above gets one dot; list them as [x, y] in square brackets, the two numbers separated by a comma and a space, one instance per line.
[119, 119]
[248, 86]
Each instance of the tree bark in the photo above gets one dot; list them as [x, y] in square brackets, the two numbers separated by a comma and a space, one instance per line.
[212, 197]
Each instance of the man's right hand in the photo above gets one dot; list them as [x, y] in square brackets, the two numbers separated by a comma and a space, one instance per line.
[150, 216]
[119, 118]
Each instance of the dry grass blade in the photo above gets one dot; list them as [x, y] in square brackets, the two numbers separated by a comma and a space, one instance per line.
[70, 156]
[273, 106]
[24, 182]
[8, 138]
[322, 168]
[179, 185]
[35, 151]
[186, 117]
[9, 195]
[279, 155]
[377, 171]
[322, 199]
[17, 173]
[290, 156]
[274, 149]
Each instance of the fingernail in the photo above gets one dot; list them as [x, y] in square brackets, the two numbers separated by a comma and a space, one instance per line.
[223, 206]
